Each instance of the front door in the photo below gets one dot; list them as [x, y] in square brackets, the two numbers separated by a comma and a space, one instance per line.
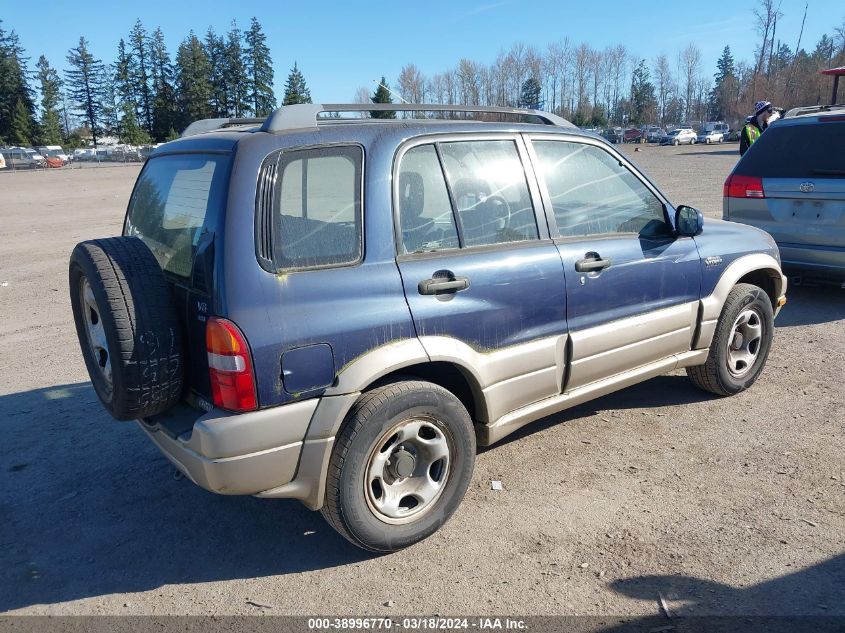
[632, 286]
[482, 277]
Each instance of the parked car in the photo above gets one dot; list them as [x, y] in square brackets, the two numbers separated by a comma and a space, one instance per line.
[680, 136]
[613, 134]
[654, 134]
[84, 154]
[633, 135]
[54, 151]
[293, 338]
[2, 161]
[711, 136]
[791, 183]
[22, 158]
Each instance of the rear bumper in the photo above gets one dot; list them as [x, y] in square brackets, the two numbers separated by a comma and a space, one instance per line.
[811, 260]
[234, 454]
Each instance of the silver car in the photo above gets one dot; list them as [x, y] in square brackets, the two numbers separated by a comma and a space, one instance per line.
[791, 183]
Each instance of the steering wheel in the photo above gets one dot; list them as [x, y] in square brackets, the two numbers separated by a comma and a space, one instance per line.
[498, 202]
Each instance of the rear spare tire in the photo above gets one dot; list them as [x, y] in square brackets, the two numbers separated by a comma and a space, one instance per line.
[127, 326]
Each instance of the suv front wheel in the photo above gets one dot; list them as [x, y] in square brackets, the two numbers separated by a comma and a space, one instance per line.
[740, 344]
[400, 466]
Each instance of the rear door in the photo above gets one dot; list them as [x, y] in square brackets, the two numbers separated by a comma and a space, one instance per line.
[176, 210]
[802, 167]
[481, 275]
[632, 286]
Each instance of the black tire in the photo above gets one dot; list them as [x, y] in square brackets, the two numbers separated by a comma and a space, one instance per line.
[135, 312]
[377, 413]
[714, 375]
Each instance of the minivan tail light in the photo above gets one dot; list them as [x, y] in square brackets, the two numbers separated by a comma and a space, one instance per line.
[229, 366]
[743, 187]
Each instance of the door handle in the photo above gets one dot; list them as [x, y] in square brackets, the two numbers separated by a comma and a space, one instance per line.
[591, 264]
[442, 285]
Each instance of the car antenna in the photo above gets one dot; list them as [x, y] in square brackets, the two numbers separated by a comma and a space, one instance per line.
[400, 97]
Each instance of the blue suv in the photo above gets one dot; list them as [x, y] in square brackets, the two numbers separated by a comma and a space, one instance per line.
[339, 310]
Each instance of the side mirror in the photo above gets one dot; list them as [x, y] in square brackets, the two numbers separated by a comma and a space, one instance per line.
[689, 222]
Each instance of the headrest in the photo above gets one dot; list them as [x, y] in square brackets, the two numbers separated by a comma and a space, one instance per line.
[411, 194]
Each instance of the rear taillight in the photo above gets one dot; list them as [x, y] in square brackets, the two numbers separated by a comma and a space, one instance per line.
[230, 366]
[743, 187]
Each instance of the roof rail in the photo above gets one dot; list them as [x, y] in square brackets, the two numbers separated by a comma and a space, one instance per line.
[207, 125]
[305, 115]
[813, 109]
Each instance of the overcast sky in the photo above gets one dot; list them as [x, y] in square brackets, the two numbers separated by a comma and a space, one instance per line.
[340, 46]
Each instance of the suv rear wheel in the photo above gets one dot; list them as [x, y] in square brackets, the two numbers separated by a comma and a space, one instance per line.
[740, 344]
[400, 466]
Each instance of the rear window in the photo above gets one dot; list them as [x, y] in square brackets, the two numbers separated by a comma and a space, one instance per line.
[176, 200]
[797, 151]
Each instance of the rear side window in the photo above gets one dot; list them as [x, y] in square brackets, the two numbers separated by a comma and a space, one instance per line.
[797, 151]
[316, 213]
[176, 200]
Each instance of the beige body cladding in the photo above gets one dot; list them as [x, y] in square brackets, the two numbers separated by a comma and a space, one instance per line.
[284, 451]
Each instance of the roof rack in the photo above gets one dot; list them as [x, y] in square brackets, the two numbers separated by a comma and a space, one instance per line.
[207, 125]
[306, 115]
[813, 110]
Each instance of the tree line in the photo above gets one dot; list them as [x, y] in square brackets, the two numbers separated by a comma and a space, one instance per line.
[597, 87]
[145, 96]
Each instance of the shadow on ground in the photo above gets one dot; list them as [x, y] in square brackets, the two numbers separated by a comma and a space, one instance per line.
[80, 519]
[808, 305]
[816, 590]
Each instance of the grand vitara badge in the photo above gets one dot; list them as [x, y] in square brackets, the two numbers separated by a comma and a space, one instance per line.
[807, 187]
[713, 260]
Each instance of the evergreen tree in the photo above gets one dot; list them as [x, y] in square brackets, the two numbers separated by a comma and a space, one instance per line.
[192, 81]
[139, 71]
[295, 89]
[164, 102]
[643, 101]
[237, 82]
[111, 103]
[21, 128]
[724, 86]
[51, 121]
[259, 67]
[128, 130]
[529, 96]
[382, 95]
[84, 80]
[17, 107]
[215, 49]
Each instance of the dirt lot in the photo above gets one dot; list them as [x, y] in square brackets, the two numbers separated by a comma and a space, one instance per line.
[723, 506]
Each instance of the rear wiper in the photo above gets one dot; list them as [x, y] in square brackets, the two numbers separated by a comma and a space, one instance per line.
[829, 172]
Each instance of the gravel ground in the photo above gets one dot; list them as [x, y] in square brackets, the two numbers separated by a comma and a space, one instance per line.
[722, 506]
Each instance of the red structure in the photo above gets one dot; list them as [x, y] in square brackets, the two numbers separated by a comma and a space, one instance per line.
[836, 73]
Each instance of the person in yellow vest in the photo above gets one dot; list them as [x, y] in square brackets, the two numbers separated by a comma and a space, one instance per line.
[755, 126]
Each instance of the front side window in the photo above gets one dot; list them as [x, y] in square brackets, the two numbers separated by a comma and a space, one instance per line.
[593, 194]
[317, 208]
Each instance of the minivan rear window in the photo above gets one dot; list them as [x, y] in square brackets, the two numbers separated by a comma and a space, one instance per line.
[797, 151]
[176, 200]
